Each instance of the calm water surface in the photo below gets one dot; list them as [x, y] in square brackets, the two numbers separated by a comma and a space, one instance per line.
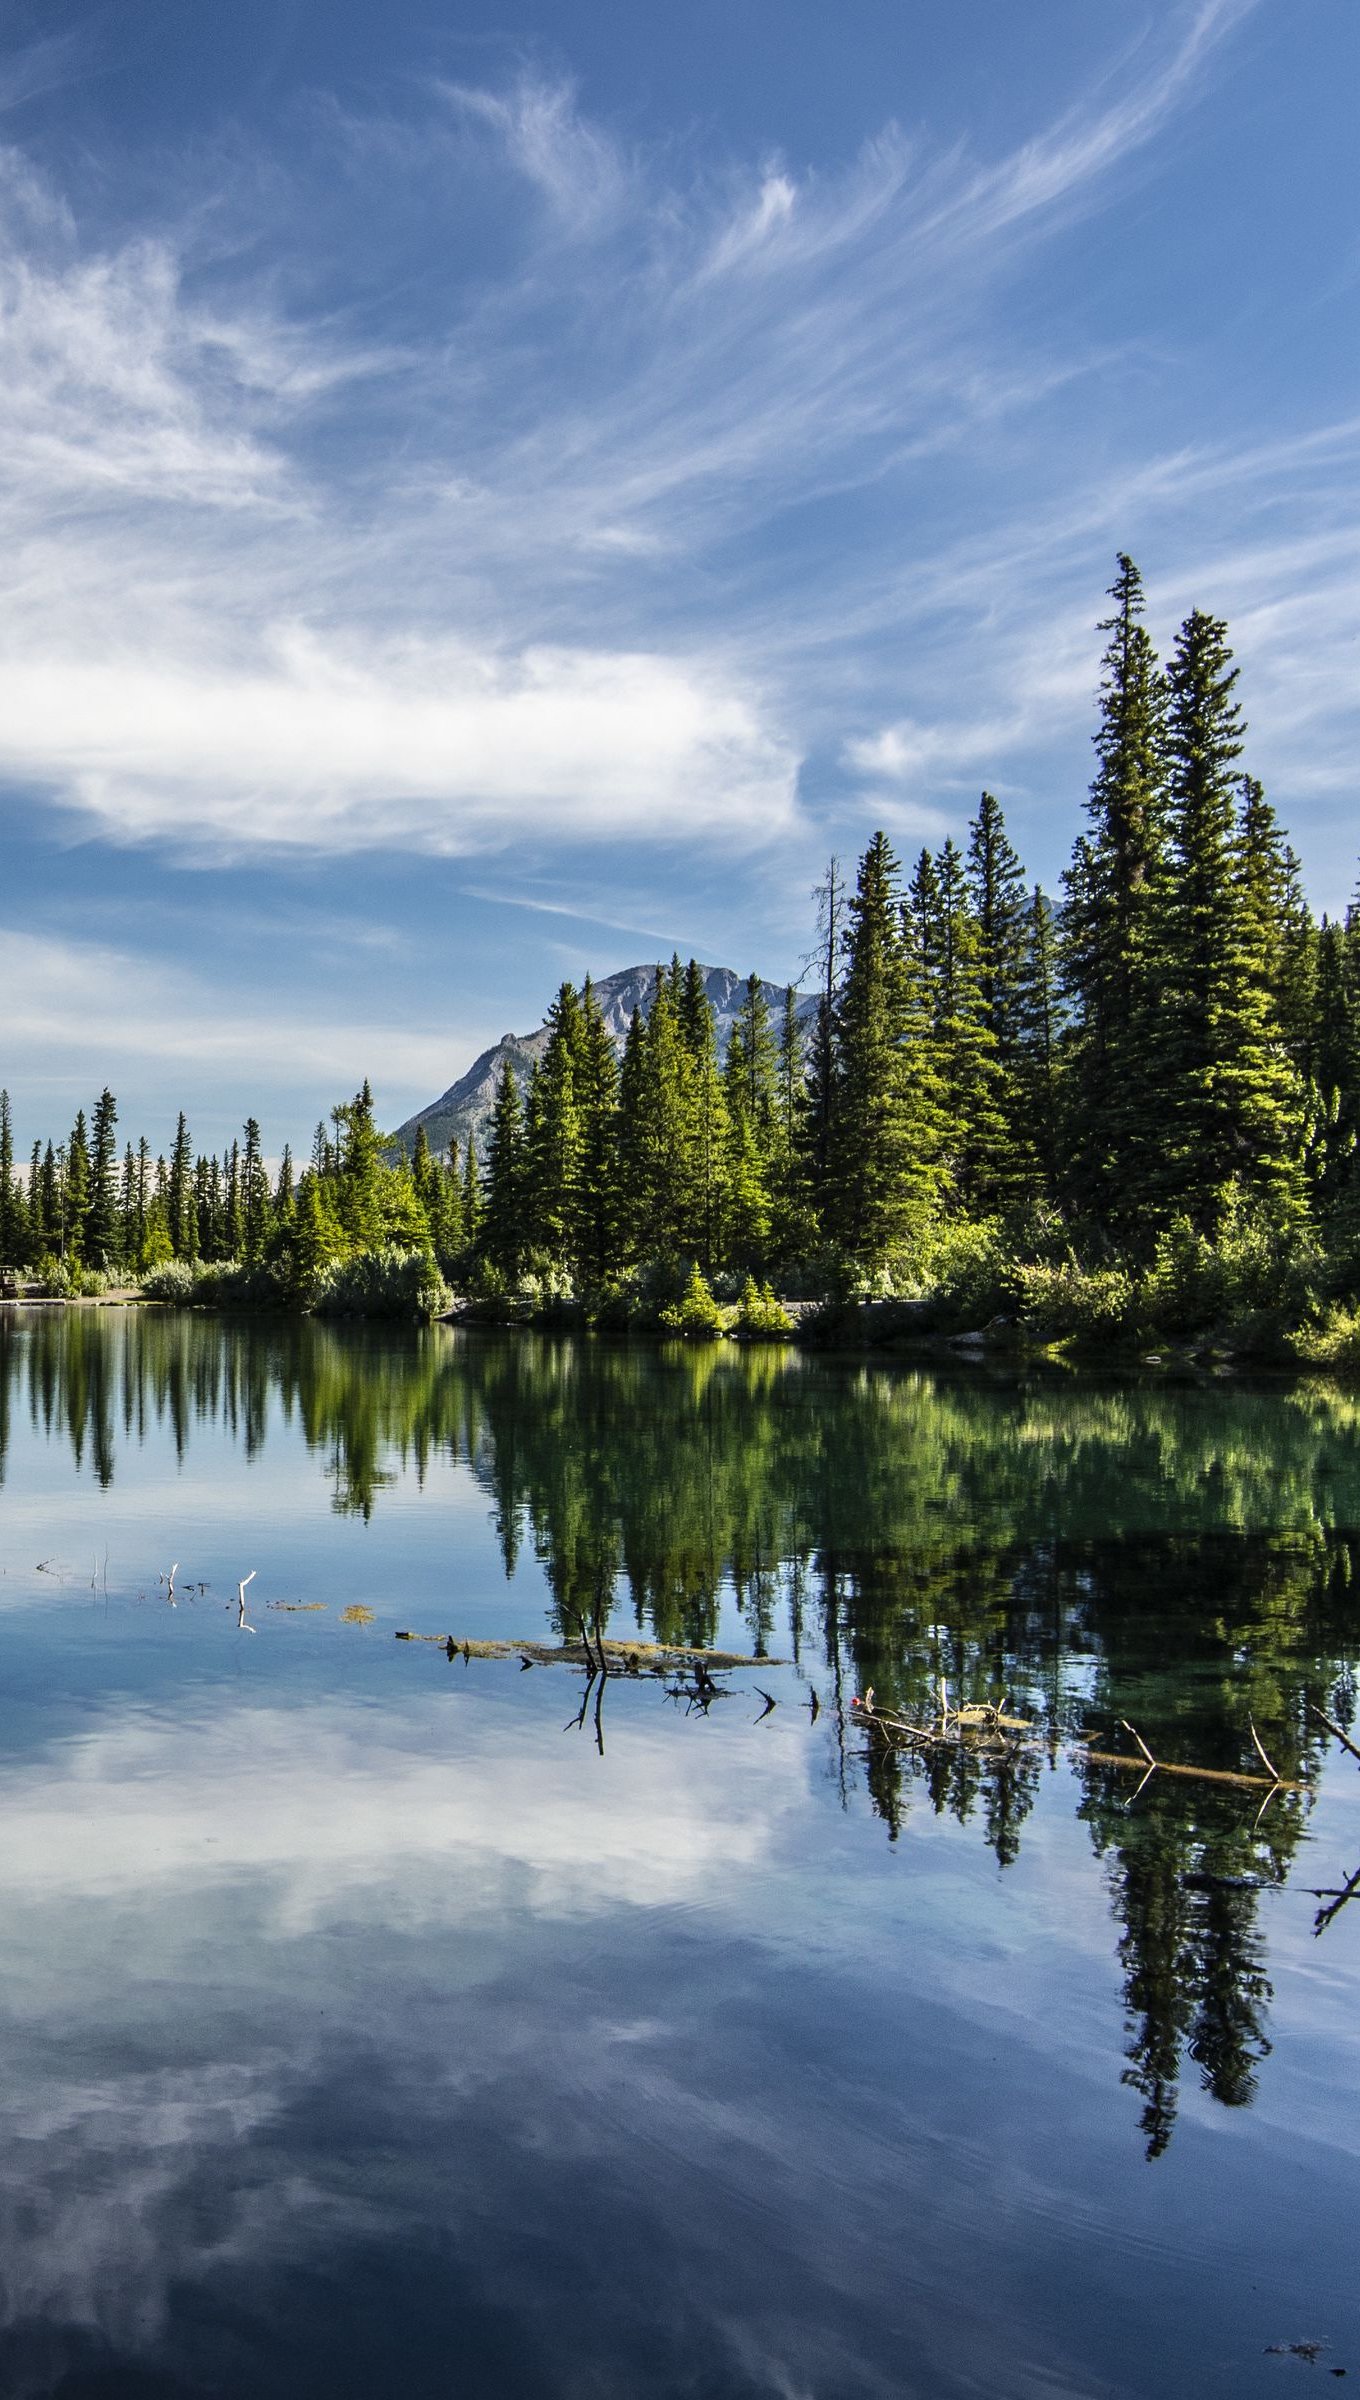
[367, 2031]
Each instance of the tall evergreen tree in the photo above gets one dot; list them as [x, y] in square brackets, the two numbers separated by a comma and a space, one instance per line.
[1001, 911]
[503, 1238]
[1035, 1101]
[1110, 971]
[820, 1081]
[255, 1199]
[1230, 1097]
[963, 1047]
[656, 1140]
[180, 1197]
[101, 1216]
[598, 1094]
[886, 1132]
[76, 1195]
[554, 1164]
[9, 1246]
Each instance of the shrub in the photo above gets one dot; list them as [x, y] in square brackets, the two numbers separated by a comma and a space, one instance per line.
[1072, 1303]
[760, 1318]
[381, 1283]
[176, 1282]
[696, 1315]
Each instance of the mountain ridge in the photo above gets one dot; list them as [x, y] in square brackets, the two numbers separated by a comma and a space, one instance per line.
[461, 1113]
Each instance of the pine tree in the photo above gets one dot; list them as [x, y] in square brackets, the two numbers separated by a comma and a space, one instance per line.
[503, 1237]
[357, 1163]
[706, 1198]
[1111, 897]
[233, 1210]
[9, 1245]
[423, 1171]
[1035, 1101]
[255, 1208]
[129, 1243]
[1000, 909]
[1230, 1095]
[473, 1209]
[819, 1089]
[38, 1239]
[751, 1087]
[554, 1162]
[285, 1195]
[101, 1219]
[598, 1083]
[885, 1172]
[52, 1201]
[1334, 1062]
[76, 1196]
[656, 1135]
[180, 1199]
[963, 1048]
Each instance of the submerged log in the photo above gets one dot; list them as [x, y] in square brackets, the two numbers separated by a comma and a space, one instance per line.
[1147, 1765]
[623, 1658]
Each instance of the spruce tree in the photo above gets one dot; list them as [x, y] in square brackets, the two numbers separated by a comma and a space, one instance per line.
[598, 1087]
[1111, 974]
[1334, 1062]
[9, 1247]
[76, 1194]
[656, 1134]
[285, 1196]
[503, 1235]
[751, 1088]
[1001, 911]
[555, 1139]
[706, 1197]
[886, 1132]
[963, 1049]
[180, 1200]
[1035, 1101]
[256, 1213]
[473, 1208]
[819, 1088]
[101, 1216]
[1228, 1095]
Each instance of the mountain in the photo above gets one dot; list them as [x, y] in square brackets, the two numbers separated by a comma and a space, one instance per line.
[463, 1110]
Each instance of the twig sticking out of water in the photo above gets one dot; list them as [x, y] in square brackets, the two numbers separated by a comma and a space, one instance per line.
[169, 1582]
[241, 1625]
[1338, 1900]
[1343, 1738]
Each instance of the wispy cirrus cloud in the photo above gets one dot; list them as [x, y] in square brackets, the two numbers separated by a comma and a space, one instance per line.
[291, 579]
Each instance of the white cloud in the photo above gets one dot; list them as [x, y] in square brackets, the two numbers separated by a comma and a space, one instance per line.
[472, 620]
[426, 746]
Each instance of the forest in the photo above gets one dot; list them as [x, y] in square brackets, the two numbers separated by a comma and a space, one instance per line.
[1125, 1114]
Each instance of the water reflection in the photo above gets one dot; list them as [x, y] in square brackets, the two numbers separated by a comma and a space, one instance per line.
[1182, 1558]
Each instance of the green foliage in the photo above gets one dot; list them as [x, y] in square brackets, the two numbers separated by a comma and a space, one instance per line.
[696, 1315]
[760, 1317]
[405, 1284]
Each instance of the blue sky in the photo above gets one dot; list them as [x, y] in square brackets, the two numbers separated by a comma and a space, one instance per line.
[496, 491]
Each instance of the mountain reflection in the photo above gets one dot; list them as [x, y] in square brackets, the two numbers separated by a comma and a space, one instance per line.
[1183, 1558]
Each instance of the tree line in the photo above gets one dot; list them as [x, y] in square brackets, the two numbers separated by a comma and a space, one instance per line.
[1173, 1042]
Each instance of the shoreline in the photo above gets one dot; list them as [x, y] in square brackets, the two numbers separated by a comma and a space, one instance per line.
[887, 1331]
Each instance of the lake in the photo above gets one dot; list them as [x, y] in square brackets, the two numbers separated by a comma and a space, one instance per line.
[384, 2022]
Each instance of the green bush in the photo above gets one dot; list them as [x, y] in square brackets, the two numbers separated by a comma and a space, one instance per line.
[696, 1315]
[1070, 1303]
[381, 1283]
[760, 1318]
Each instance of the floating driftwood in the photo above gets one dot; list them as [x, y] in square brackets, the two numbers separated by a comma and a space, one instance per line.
[596, 1654]
[985, 1728]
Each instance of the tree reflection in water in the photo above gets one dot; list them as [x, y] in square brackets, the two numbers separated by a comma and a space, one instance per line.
[1180, 1556]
